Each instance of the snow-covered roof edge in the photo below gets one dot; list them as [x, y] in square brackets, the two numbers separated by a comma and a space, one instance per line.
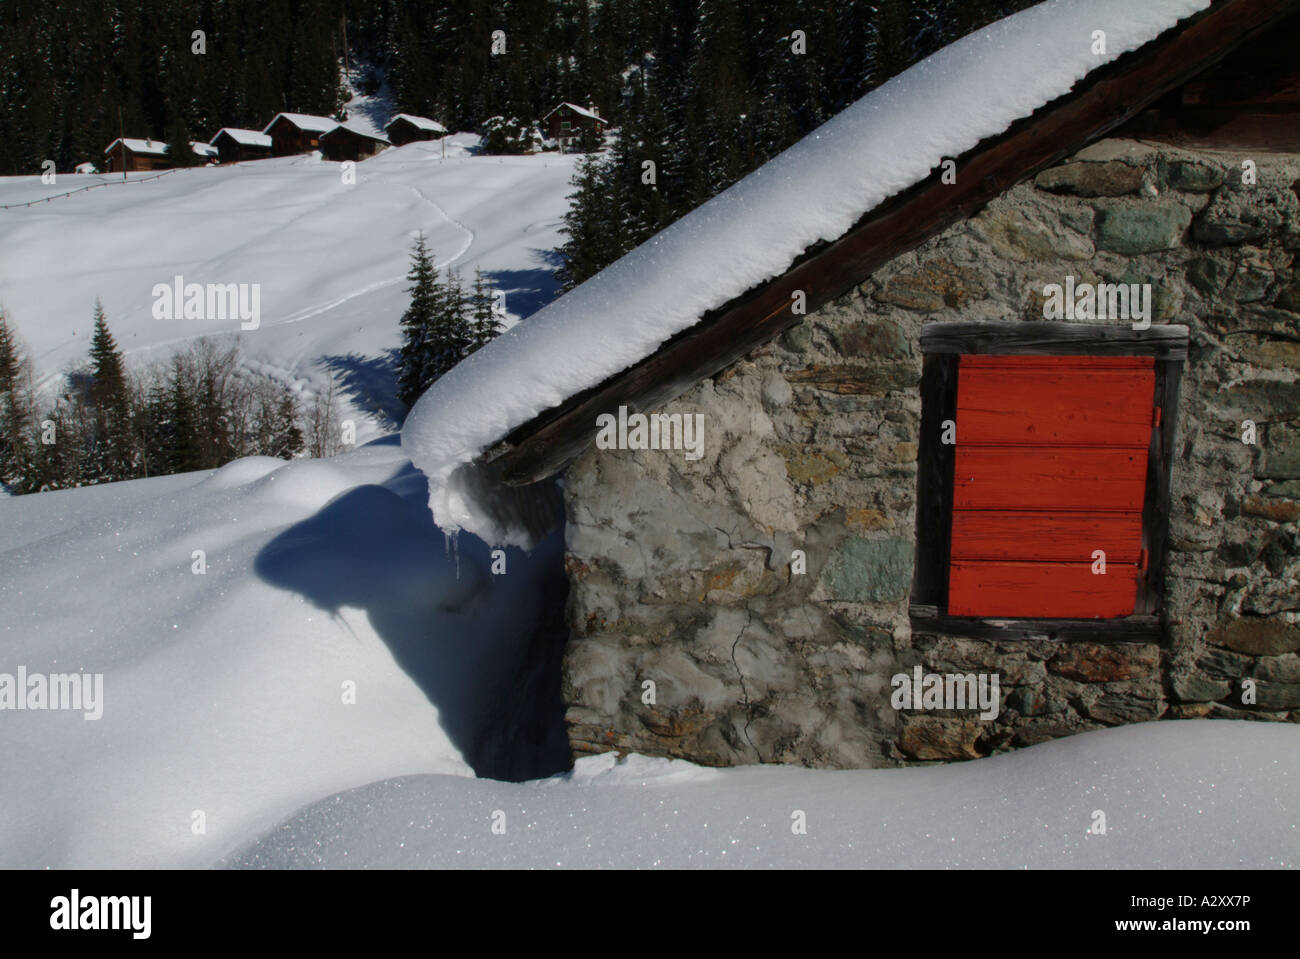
[813, 192]
[344, 127]
[137, 145]
[242, 136]
[304, 121]
[582, 111]
[421, 123]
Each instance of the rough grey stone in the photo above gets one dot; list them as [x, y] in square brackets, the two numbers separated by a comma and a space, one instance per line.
[1281, 452]
[1112, 178]
[1147, 228]
[869, 570]
[1194, 177]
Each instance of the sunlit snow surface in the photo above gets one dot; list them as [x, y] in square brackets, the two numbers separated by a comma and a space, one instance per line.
[887, 141]
[1190, 794]
[226, 691]
[329, 257]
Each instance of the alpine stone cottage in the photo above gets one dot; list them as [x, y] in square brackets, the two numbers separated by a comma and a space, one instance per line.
[970, 421]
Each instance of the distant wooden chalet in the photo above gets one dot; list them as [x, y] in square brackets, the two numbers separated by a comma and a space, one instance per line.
[235, 145]
[132, 155]
[293, 133]
[206, 152]
[406, 128]
[568, 121]
[346, 143]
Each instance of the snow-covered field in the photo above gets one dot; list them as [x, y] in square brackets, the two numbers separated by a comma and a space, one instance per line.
[330, 258]
[226, 692]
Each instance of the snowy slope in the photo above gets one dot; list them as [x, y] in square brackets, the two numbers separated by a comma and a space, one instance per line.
[818, 188]
[223, 692]
[330, 258]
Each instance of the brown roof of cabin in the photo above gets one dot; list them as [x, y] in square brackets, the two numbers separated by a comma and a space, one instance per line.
[1102, 101]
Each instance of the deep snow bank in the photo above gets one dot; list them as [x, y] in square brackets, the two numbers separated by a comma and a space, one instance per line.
[331, 639]
[1190, 794]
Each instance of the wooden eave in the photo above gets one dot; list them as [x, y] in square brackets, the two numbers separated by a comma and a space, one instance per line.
[1103, 100]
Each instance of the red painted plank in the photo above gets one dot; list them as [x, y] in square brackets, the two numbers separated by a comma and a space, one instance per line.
[1035, 361]
[1049, 478]
[1041, 590]
[1057, 536]
[1059, 403]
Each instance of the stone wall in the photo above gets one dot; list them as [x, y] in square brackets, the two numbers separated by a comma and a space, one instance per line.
[681, 571]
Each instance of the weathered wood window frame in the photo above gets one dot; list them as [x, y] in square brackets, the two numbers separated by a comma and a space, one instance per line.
[941, 345]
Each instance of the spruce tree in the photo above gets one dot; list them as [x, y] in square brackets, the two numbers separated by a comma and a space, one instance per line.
[414, 358]
[16, 454]
[484, 324]
[180, 430]
[112, 442]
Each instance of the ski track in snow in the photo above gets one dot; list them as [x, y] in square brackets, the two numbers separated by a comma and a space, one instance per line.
[247, 221]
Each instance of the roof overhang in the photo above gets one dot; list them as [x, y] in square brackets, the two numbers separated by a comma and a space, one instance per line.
[1103, 100]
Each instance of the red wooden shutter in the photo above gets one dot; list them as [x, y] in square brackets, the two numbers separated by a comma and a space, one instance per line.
[1050, 465]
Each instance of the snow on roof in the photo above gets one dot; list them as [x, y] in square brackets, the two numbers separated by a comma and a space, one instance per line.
[420, 123]
[815, 191]
[150, 147]
[203, 149]
[305, 122]
[248, 138]
[349, 128]
[581, 111]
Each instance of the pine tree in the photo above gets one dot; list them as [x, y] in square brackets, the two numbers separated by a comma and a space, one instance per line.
[588, 227]
[180, 429]
[451, 329]
[287, 439]
[16, 453]
[179, 151]
[484, 325]
[112, 441]
[414, 358]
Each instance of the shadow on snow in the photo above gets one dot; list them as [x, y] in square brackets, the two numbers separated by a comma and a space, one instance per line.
[484, 649]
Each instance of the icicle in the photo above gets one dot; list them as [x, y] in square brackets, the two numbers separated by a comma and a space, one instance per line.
[451, 542]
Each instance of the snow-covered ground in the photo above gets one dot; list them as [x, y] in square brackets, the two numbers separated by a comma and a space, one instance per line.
[226, 692]
[330, 258]
[1191, 794]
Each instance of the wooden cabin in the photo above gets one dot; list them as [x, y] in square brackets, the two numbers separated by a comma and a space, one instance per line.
[206, 152]
[406, 128]
[917, 462]
[294, 133]
[132, 155]
[567, 122]
[235, 145]
[345, 143]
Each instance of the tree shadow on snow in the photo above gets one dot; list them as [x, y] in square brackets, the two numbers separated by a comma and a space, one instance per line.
[485, 649]
[527, 291]
[371, 383]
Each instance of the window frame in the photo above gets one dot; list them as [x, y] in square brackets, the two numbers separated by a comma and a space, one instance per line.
[941, 345]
